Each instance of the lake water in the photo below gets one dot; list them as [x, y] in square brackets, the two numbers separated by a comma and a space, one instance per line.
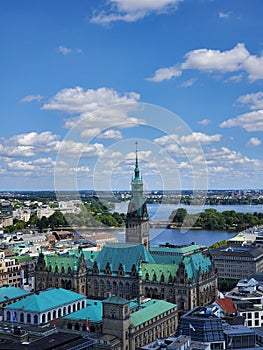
[163, 211]
[175, 236]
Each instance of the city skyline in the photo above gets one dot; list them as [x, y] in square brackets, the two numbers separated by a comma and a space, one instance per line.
[82, 81]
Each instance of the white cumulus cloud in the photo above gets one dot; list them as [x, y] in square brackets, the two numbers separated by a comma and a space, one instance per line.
[188, 139]
[132, 10]
[236, 60]
[224, 15]
[97, 109]
[29, 144]
[30, 98]
[254, 100]
[251, 121]
[165, 74]
[64, 50]
[200, 137]
[204, 122]
[111, 134]
[254, 142]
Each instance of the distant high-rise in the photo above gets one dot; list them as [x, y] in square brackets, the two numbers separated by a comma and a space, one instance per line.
[137, 221]
[7, 209]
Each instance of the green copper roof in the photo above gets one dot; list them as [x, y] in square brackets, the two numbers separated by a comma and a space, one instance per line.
[22, 258]
[90, 255]
[159, 270]
[60, 261]
[172, 255]
[116, 300]
[167, 259]
[150, 310]
[194, 263]
[176, 250]
[93, 312]
[136, 170]
[125, 253]
[10, 292]
[46, 300]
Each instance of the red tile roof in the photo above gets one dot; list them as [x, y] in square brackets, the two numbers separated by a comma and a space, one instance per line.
[226, 305]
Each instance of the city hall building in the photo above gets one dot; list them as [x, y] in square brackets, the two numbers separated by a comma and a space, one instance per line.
[184, 275]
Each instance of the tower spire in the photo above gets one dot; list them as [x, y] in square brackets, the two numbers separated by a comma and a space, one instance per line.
[136, 170]
[137, 220]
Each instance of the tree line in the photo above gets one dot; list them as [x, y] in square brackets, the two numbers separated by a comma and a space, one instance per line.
[211, 219]
[93, 213]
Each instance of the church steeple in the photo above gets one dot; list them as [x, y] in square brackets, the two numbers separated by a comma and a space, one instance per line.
[137, 226]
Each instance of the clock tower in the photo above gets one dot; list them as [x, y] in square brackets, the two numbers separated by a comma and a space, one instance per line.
[116, 318]
[137, 221]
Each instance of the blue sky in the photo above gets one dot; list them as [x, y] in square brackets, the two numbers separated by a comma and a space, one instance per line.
[82, 80]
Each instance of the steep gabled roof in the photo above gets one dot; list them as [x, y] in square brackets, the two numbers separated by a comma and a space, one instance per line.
[60, 261]
[227, 305]
[197, 262]
[159, 270]
[126, 254]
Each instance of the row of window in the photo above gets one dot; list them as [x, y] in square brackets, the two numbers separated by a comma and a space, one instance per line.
[27, 318]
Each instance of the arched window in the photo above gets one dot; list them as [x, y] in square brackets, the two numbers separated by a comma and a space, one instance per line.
[114, 286]
[134, 289]
[78, 306]
[48, 316]
[64, 310]
[56, 269]
[59, 312]
[35, 319]
[162, 278]
[83, 303]
[96, 284]
[69, 309]
[62, 269]
[69, 270]
[74, 307]
[43, 318]
[54, 314]
[22, 317]
[76, 326]
[28, 318]
[8, 316]
[68, 285]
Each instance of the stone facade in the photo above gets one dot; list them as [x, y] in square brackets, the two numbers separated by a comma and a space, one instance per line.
[237, 262]
[120, 324]
[190, 282]
[61, 272]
